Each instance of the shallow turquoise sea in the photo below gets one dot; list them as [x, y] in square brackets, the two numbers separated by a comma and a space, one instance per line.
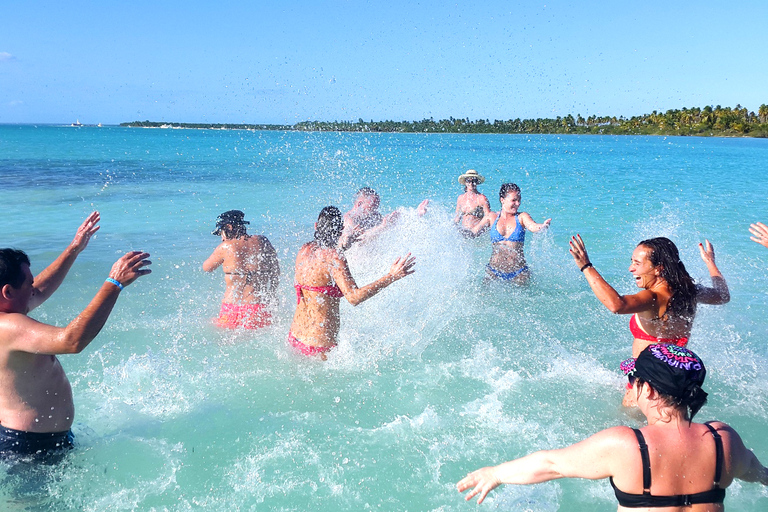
[435, 376]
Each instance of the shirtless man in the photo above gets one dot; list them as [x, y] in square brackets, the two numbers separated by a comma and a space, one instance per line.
[364, 221]
[36, 405]
[251, 273]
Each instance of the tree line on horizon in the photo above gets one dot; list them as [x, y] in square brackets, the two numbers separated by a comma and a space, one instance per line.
[707, 121]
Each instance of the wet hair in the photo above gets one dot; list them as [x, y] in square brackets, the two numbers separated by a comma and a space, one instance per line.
[330, 224]
[682, 304]
[11, 261]
[234, 231]
[232, 224]
[689, 405]
[368, 192]
[507, 188]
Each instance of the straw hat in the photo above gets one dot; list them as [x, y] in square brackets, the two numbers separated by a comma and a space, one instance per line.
[471, 174]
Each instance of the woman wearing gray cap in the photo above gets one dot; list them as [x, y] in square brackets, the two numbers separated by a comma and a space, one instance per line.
[251, 273]
[671, 463]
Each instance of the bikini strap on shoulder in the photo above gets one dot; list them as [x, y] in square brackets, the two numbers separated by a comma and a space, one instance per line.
[719, 455]
[646, 461]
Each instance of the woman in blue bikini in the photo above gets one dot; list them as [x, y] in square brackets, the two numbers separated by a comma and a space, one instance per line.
[508, 236]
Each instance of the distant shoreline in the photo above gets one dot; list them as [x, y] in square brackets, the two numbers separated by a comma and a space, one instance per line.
[700, 122]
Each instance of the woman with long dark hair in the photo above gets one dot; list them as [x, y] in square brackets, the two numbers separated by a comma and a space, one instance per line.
[671, 463]
[322, 278]
[663, 311]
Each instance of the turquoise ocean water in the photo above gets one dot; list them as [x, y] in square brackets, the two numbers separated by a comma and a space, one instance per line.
[435, 376]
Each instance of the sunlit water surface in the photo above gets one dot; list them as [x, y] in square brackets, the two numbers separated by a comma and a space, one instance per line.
[437, 375]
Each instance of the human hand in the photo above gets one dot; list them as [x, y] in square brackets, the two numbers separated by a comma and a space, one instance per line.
[546, 223]
[129, 268]
[422, 208]
[578, 251]
[707, 253]
[352, 237]
[760, 232]
[402, 267]
[483, 480]
[391, 218]
[85, 232]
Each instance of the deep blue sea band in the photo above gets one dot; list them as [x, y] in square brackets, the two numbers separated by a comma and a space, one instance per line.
[115, 282]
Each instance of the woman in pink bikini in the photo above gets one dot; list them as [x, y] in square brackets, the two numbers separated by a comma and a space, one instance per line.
[322, 278]
[663, 311]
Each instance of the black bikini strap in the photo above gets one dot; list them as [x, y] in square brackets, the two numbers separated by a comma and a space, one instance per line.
[719, 456]
[646, 462]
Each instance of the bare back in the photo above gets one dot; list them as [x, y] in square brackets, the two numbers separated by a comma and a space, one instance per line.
[250, 268]
[674, 451]
[316, 320]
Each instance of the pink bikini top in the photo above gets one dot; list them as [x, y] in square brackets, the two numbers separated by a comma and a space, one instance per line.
[331, 291]
[640, 334]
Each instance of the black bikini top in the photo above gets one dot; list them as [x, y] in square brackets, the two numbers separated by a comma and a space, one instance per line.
[714, 495]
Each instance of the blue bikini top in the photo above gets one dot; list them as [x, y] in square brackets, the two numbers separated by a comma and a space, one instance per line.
[518, 235]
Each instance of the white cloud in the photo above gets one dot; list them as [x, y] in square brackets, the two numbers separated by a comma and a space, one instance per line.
[4, 56]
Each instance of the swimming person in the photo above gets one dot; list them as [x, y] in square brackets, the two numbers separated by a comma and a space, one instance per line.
[663, 311]
[471, 206]
[364, 221]
[36, 404]
[759, 233]
[508, 237]
[322, 278]
[671, 462]
[251, 273]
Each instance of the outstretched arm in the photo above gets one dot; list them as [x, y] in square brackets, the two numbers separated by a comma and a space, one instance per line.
[49, 280]
[719, 293]
[400, 268]
[759, 233]
[27, 335]
[528, 223]
[745, 463]
[593, 458]
[621, 304]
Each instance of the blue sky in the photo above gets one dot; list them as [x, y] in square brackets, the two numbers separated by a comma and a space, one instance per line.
[284, 62]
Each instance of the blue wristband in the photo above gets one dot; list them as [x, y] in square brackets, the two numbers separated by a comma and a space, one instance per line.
[115, 282]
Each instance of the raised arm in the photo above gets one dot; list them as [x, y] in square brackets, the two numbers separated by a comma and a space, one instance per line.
[528, 223]
[719, 293]
[759, 233]
[593, 458]
[400, 268]
[49, 280]
[620, 304]
[27, 335]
